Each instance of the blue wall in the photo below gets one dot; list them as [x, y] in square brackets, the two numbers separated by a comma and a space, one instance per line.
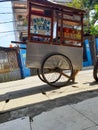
[88, 61]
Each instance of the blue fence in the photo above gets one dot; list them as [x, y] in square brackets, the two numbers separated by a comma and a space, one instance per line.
[25, 72]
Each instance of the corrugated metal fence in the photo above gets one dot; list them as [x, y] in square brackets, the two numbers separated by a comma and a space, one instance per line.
[9, 65]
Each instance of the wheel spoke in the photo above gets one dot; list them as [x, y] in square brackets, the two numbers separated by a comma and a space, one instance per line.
[67, 76]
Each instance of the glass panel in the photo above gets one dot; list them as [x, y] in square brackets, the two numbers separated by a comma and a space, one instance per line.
[57, 28]
[40, 25]
[72, 32]
[72, 17]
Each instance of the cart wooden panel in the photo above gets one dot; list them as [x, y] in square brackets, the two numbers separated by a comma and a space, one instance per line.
[36, 54]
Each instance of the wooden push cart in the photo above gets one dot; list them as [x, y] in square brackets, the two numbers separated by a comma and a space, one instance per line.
[55, 41]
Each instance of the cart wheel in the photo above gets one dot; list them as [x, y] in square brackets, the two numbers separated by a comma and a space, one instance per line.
[40, 75]
[95, 71]
[59, 70]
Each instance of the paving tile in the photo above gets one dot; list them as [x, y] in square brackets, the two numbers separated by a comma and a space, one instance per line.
[62, 118]
[18, 124]
[89, 108]
[92, 128]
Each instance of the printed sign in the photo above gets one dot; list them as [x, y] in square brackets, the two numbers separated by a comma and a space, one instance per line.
[40, 25]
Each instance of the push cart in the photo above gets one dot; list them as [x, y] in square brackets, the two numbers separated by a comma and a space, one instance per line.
[55, 41]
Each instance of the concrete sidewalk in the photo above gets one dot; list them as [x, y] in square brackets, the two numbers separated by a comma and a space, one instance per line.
[73, 107]
[31, 90]
[81, 116]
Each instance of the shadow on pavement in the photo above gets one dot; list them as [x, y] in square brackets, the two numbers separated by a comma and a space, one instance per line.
[37, 108]
[27, 92]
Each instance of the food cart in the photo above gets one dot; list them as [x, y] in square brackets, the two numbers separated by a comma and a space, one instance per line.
[55, 41]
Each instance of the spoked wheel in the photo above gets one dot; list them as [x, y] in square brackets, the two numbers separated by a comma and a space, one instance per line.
[95, 71]
[59, 70]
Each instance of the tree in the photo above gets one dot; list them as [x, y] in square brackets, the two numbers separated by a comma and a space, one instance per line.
[95, 15]
[83, 4]
[76, 4]
[94, 30]
[93, 24]
[89, 23]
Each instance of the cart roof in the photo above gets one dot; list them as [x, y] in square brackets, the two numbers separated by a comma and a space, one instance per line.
[60, 7]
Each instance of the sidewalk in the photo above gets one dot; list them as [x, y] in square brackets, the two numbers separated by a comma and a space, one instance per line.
[81, 116]
[73, 107]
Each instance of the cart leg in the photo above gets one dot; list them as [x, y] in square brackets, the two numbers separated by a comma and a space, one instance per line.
[75, 72]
